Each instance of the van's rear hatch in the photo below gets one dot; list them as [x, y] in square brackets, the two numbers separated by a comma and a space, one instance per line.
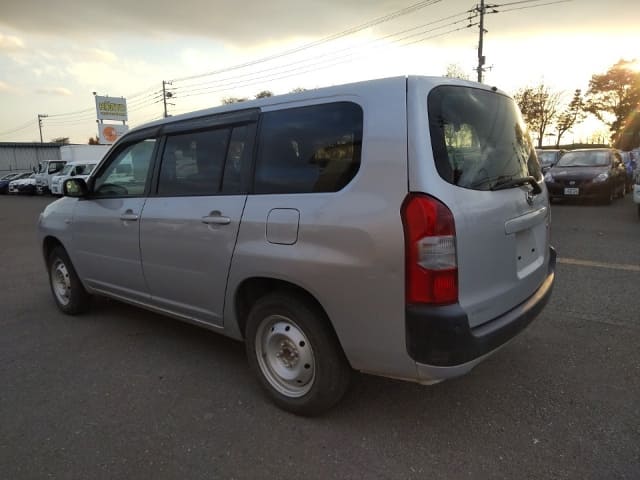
[468, 147]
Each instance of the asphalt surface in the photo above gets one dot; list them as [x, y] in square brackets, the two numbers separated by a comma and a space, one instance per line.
[123, 393]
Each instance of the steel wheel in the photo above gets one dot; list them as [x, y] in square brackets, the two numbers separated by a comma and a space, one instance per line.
[61, 282]
[67, 290]
[285, 356]
[295, 354]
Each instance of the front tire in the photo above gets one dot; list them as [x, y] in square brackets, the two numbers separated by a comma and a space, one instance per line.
[68, 292]
[295, 354]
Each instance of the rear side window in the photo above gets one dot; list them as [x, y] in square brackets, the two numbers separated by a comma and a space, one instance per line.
[478, 137]
[309, 149]
[193, 163]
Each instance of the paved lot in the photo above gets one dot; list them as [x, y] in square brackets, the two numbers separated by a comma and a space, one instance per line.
[123, 393]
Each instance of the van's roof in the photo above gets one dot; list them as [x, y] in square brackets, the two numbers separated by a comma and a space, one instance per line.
[83, 162]
[314, 94]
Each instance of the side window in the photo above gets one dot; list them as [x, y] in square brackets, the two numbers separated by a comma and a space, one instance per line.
[126, 175]
[55, 167]
[193, 163]
[309, 149]
[238, 164]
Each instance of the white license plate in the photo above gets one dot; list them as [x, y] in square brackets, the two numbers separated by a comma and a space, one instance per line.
[571, 191]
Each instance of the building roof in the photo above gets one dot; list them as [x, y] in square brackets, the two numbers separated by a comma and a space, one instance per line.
[30, 144]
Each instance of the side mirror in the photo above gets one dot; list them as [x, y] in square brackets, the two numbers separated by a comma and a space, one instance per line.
[75, 187]
[72, 173]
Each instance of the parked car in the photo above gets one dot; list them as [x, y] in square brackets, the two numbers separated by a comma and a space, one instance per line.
[630, 165]
[412, 248]
[25, 183]
[45, 172]
[596, 173]
[79, 169]
[549, 157]
[636, 189]
[4, 181]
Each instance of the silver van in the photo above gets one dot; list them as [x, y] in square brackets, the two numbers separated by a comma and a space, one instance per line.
[398, 227]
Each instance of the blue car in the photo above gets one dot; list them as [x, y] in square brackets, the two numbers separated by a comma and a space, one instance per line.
[4, 181]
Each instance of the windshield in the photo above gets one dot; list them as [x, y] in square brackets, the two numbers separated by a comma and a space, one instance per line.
[594, 158]
[478, 138]
[65, 171]
[547, 158]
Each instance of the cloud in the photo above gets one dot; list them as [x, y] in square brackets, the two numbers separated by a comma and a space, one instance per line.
[230, 22]
[10, 43]
[58, 91]
[93, 55]
[5, 87]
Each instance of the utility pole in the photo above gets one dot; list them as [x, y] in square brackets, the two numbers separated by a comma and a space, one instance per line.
[165, 95]
[40, 117]
[481, 60]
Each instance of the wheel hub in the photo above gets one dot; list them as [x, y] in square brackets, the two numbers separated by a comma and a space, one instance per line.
[61, 282]
[285, 356]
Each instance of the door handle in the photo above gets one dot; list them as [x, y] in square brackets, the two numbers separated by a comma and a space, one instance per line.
[129, 216]
[216, 218]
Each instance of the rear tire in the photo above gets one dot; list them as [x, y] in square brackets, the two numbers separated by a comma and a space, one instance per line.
[295, 354]
[68, 292]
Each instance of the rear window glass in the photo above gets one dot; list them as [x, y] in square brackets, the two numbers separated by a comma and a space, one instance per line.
[309, 149]
[547, 158]
[596, 158]
[478, 137]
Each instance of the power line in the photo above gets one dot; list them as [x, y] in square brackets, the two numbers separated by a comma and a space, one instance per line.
[306, 69]
[24, 126]
[482, 11]
[205, 86]
[376, 21]
[531, 6]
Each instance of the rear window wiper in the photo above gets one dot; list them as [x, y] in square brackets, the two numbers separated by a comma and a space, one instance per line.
[516, 182]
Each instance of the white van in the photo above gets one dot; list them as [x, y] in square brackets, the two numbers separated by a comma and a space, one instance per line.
[77, 169]
[45, 172]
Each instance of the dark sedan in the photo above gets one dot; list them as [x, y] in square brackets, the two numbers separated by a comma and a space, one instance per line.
[4, 181]
[596, 173]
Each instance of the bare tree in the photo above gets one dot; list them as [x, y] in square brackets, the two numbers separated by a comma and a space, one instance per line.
[230, 100]
[573, 114]
[539, 106]
[264, 94]
[454, 70]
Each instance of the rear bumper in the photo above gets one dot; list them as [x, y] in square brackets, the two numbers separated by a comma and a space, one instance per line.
[440, 337]
[585, 190]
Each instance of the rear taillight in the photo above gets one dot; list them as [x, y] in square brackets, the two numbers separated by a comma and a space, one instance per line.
[430, 251]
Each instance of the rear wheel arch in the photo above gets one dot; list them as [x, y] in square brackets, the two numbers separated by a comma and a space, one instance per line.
[252, 289]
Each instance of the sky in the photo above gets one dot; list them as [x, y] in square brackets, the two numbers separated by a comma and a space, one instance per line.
[53, 57]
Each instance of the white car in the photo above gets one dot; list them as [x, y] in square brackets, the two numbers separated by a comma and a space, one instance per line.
[23, 185]
[77, 169]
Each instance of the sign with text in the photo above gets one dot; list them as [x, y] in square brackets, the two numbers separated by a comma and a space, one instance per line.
[110, 133]
[111, 108]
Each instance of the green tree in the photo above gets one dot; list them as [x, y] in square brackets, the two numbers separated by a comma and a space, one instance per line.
[298, 90]
[539, 106]
[614, 95]
[573, 114]
[264, 94]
